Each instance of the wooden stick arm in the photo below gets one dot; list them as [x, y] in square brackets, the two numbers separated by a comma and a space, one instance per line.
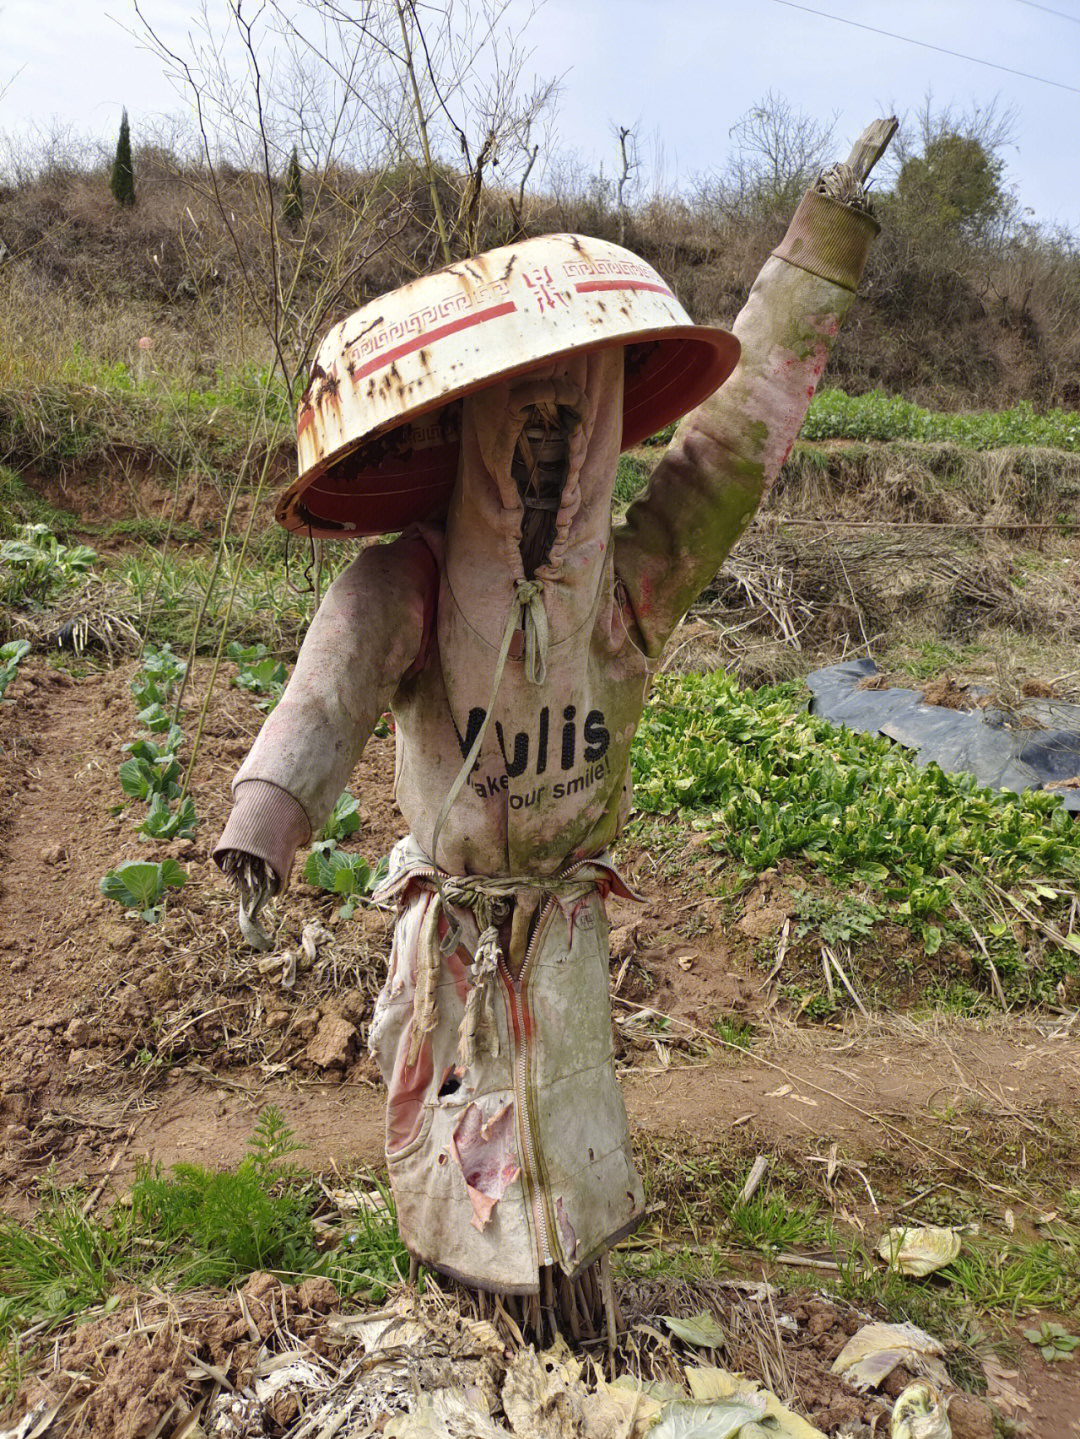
[844, 180]
[871, 145]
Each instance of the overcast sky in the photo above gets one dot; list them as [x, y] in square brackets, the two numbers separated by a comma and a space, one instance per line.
[683, 69]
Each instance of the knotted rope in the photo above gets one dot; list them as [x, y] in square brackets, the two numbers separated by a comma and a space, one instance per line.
[491, 902]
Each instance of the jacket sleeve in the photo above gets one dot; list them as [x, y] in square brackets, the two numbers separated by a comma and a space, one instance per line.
[726, 454]
[370, 630]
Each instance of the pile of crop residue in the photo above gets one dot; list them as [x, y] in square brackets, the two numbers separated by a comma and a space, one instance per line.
[270, 1361]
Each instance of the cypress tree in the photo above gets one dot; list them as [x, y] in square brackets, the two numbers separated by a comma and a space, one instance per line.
[122, 181]
[293, 205]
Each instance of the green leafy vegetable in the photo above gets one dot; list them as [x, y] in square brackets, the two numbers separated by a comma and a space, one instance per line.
[995, 874]
[157, 719]
[344, 820]
[142, 778]
[1053, 1341]
[11, 656]
[143, 886]
[161, 822]
[36, 566]
[349, 875]
[258, 673]
[157, 679]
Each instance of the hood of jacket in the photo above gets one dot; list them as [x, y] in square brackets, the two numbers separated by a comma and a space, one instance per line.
[484, 525]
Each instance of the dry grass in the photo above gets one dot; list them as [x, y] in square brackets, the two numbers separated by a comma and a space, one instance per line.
[858, 546]
[102, 616]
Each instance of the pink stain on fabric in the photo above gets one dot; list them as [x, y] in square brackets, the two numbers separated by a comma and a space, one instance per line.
[485, 1151]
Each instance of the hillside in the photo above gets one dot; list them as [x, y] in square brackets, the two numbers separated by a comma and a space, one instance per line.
[201, 268]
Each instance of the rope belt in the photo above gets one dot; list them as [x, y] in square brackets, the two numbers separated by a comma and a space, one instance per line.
[491, 902]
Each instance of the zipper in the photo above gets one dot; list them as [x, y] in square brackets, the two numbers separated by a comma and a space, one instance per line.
[516, 993]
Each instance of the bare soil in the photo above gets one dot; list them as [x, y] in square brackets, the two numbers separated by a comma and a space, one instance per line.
[121, 1040]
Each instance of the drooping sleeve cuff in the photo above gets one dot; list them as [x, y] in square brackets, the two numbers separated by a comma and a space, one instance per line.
[829, 239]
[266, 822]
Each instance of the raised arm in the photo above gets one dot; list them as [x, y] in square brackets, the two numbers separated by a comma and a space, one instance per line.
[368, 633]
[727, 453]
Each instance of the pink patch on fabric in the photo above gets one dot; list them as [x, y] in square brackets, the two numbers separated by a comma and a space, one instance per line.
[486, 1154]
[566, 1229]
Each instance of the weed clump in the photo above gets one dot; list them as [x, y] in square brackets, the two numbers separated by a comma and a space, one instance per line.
[190, 1228]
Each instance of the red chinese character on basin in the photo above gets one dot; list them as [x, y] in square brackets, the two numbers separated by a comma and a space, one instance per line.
[547, 296]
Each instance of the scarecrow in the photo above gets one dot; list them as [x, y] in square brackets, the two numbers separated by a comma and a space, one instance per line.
[478, 414]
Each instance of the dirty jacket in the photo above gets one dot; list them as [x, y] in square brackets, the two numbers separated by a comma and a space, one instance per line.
[415, 626]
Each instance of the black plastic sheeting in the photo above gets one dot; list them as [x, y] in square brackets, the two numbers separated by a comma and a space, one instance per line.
[988, 743]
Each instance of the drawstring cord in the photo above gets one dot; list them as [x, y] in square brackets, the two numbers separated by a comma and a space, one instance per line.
[526, 613]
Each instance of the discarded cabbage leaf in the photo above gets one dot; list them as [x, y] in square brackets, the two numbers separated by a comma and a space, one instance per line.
[633, 1405]
[726, 1419]
[871, 1355]
[702, 1330]
[299, 1374]
[443, 1414]
[920, 1413]
[37, 1422]
[542, 1394]
[655, 1389]
[709, 1384]
[919, 1251]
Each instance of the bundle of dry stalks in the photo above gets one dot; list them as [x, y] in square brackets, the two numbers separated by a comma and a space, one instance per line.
[101, 615]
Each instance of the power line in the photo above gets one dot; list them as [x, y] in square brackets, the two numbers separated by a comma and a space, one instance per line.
[925, 44]
[1061, 13]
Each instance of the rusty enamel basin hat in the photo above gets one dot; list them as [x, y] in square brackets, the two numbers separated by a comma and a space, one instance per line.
[378, 426]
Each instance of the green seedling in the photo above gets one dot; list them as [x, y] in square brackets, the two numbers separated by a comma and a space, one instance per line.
[160, 674]
[157, 719]
[258, 673]
[11, 656]
[157, 751]
[349, 875]
[771, 1222]
[733, 1031]
[1053, 1341]
[344, 820]
[162, 665]
[143, 778]
[161, 822]
[143, 886]
[246, 654]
